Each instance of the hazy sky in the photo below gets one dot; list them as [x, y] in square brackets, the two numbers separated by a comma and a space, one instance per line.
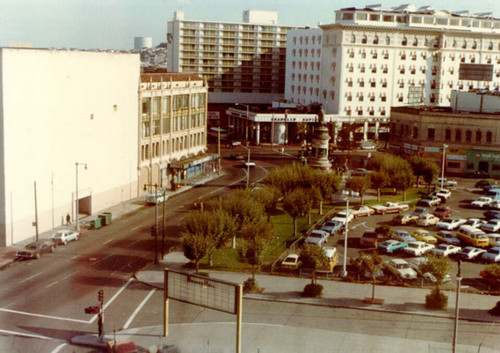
[113, 24]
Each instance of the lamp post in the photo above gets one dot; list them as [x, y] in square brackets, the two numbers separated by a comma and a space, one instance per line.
[457, 309]
[77, 210]
[218, 150]
[442, 165]
[344, 265]
[246, 125]
[155, 233]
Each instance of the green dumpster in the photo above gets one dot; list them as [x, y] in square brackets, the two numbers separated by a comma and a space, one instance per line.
[95, 223]
[105, 218]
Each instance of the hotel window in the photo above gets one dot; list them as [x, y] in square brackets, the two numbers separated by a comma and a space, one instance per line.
[474, 45]
[479, 136]
[353, 38]
[361, 83]
[383, 98]
[468, 136]
[362, 68]
[489, 137]
[464, 45]
[387, 40]
[364, 39]
[404, 41]
[415, 41]
[458, 135]
[447, 134]
[415, 132]
[431, 134]
[375, 40]
[490, 46]
[403, 55]
[361, 98]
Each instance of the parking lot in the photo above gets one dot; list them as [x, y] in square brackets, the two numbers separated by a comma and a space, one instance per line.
[459, 203]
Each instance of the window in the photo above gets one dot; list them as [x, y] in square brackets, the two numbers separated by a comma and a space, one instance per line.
[415, 132]
[349, 98]
[361, 83]
[364, 39]
[479, 135]
[353, 38]
[489, 137]
[430, 134]
[458, 135]
[383, 98]
[453, 164]
[447, 134]
[375, 41]
[464, 45]
[468, 136]
[387, 40]
[362, 68]
[373, 83]
[415, 41]
[361, 98]
[404, 41]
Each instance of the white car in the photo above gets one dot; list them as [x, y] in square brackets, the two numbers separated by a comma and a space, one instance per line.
[493, 255]
[362, 211]
[291, 261]
[470, 253]
[400, 268]
[494, 205]
[474, 222]
[390, 207]
[445, 250]
[418, 248]
[481, 202]
[428, 220]
[443, 194]
[494, 239]
[64, 236]
[445, 182]
[343, 217]
[152, 198]
[317, 237]
[492, 226]
[450, 223]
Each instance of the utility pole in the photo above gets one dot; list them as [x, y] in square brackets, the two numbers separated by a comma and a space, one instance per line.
[154, 229]
[344, 265]
[457, 309]
[36, 215]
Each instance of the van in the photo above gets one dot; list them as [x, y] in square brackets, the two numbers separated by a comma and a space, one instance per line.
[473, 236]
[332, 256]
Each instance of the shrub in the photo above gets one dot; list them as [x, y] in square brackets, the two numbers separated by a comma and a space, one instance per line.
[436, 300]
[313, 291]
[250, 286]
[496, 310]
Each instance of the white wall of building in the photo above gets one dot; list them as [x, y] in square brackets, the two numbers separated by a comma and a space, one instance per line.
[58, 108]
[260, 17]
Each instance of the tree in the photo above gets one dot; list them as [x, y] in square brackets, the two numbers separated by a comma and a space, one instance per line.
[372, 263]
[359, 184]
[439, 267]
[491, 274]
[256, 236]
[268, 196]
[297, 204]
[313, 257]
[378, 182]
[400, 174]
[430, 173]
[196, 247]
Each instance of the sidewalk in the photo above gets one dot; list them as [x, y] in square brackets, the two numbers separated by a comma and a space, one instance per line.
[8, 254]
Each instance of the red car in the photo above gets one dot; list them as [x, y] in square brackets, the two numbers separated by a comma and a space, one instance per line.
[442, 212]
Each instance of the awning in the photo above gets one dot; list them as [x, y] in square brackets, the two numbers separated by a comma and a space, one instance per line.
[191, 162]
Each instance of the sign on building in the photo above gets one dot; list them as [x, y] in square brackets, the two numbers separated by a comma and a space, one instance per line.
[213, 115]
[475, 72]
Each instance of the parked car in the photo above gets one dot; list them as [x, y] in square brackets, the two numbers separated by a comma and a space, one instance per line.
[445, 250]
[420, 211]
[390, 207]
[492, 214]
[445, 182]
[494, 205]
[418, 248]
[331, 227]
[473, 236]
[474, 222]
[482, 202]
[363, 211]
[447, 237]
[368, 239]
[492, 226]
[390, 246]
[64, 236]
[470, 253]
[442, 212]
[317, 236]
[427, 220]
[402, 235]
[248, 164]
[450, 223]
[484, 184]
[360, 172]
[425, 236]
[237, 156]
[291, 261]
[35, 249]
[443, 194]
[342, 217]
[492, 255]
[429, 201]
[494, 239]
[400, 268]
[404, 219]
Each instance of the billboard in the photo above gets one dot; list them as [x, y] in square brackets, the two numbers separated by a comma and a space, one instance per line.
[475, 72]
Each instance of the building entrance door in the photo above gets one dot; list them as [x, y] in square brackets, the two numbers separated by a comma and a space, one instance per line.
[483, 166]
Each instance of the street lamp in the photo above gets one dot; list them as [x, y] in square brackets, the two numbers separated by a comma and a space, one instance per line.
[442, 165]
[344, 265]
[77, 211]
[248, 164]
[457, 309]
[156, 217]
[246, 125]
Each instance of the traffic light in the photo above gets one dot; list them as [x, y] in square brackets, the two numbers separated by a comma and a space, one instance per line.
[100, 296]
[153, 231]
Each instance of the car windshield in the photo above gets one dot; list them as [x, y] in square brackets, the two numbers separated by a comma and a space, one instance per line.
[413, 245]
[401, 266]
[468, 250]
[315, 235]
[495, 251]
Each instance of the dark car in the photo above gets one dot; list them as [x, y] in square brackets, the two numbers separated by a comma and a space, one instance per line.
[442, 212]
[492, 214]
[35, 249]
[483, 184]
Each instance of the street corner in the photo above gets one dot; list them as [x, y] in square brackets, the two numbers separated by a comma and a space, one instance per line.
[90, 340]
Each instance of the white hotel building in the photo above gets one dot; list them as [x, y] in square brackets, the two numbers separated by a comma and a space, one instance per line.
[241, 61]
[372, 58]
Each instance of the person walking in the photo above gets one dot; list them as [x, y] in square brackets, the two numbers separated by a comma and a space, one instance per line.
[68, 219]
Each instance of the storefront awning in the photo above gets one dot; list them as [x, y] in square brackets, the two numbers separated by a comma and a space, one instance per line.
[191, 162]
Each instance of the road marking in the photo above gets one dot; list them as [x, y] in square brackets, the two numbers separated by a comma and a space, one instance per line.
[136, 311]
[14, 333]
[31, 277]
[107, 241]
[74, 257]
[216, 190]
[358, 225]
[50, 285]
[135, 228]
[44, 316]
[68, 276]
[58, 348]
[132, 243]
[108, 303]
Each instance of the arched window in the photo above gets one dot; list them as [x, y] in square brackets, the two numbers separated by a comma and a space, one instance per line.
[489, 137]
[375, 39]
[464, 44]
[387, 40]
[458, 135]
[468, 136]
[479, 135]
[415, 41]
[364, 39]
[404, 41]
[353, 38]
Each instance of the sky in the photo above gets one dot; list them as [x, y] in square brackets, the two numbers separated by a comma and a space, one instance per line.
[113, 24]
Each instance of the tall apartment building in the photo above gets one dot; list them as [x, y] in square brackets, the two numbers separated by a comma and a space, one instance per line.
[241, 61]
[172, 129]
[374, 58]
